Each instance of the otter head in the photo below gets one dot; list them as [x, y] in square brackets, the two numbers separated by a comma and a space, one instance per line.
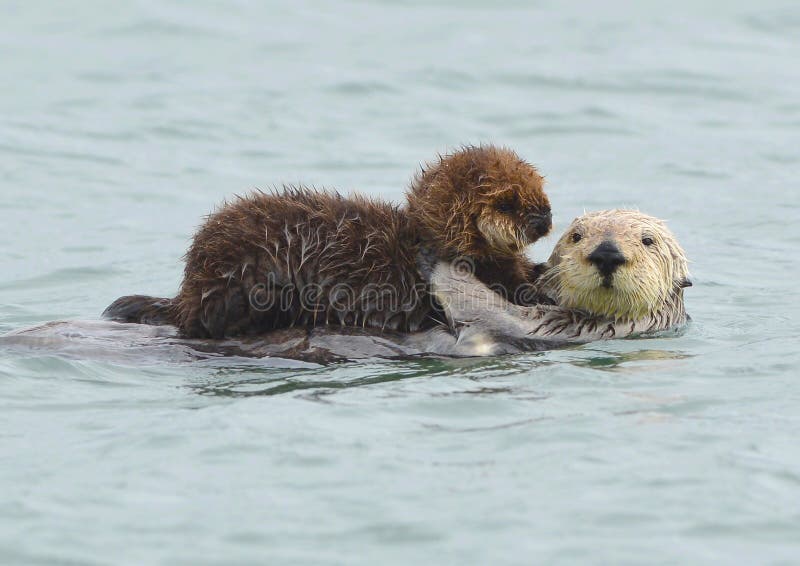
[480, 202]
[620, 264]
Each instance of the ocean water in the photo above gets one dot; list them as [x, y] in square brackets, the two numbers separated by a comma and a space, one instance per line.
[122, 125]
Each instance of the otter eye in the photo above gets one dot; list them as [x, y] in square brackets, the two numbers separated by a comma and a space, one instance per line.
[505, 207]
[647, 241]
[576, 238]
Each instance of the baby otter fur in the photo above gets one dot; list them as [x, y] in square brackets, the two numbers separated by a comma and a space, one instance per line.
[485, 204]
[302, 256]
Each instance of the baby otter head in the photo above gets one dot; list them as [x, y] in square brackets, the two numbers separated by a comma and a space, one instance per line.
[621, 264]
[480, 202]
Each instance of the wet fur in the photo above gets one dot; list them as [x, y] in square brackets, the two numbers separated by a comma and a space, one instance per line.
[475, 203]
[645, 294]
[483, 322]
[650, 281]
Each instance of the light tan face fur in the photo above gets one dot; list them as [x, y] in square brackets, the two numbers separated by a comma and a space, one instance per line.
[499, 235]
[502, 232]
[651, 275]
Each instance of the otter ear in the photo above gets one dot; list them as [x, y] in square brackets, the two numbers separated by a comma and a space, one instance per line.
[685, 282]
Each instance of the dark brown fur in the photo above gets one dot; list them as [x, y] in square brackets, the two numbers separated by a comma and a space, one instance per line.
[307, 257]
[486, 185]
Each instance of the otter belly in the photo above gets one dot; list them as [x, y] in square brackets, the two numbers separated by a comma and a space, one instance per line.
[139, 344]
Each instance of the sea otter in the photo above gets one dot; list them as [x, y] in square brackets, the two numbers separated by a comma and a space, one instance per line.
[612, 274]
[622, 273]
[307, 257]
[619, 264]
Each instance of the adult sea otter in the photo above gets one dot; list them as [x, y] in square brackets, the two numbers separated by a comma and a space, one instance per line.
[614, 274]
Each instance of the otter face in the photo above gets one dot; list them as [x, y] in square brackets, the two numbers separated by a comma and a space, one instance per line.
[512, 218]
[481, 202]
[620, 264]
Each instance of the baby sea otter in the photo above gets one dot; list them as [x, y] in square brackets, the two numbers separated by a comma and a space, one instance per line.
[307, 257]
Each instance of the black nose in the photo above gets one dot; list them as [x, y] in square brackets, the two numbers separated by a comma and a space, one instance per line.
[607, 258]
[540, 224]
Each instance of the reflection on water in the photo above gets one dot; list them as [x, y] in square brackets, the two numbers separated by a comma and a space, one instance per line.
[236, 381]
[222, 384]
[619, 361]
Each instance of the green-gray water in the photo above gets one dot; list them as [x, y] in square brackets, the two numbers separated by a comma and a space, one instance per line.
[122, 124]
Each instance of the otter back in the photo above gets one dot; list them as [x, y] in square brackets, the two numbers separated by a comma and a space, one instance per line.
[301, 257]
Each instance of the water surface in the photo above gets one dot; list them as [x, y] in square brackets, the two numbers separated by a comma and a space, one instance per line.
[121, 127]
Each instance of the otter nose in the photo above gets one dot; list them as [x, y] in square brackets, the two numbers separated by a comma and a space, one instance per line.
[607, 258]
[540, 224]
